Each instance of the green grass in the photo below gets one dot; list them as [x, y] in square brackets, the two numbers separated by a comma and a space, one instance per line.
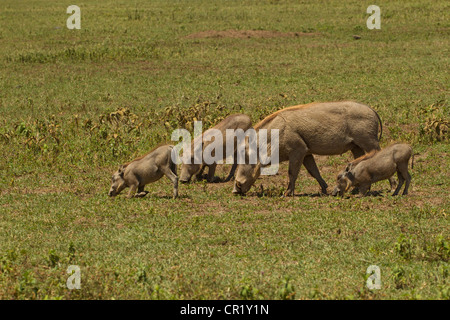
[61, 141]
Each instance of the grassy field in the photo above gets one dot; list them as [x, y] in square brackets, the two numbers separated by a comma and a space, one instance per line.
[77, 103]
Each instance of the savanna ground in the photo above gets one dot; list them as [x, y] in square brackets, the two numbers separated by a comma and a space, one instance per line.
[77, 103]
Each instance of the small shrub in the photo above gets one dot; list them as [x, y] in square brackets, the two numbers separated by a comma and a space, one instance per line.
[209, 112]
[27, 285]
[435, 124]
[142, 275]
[53, 259]
[404, 247]
[71, 253]
[438, 250]
[444, 292]
[399, 277]
[7, 261]
[287, 291]
[247, 292]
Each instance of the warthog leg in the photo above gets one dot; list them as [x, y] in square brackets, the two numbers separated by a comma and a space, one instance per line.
[199, 175]
[357, 152]
[363, 189]
[403, 175]
[295, 162]
[132, 191]
[211, 172]
[233, 168]
[173, 177]
[141, 192]
[232, 171]
[408, 181]
[400, 183]
[392, 182]
[311, 166]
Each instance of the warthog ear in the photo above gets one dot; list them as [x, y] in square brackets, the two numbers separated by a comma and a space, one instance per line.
[121, 170]
[348, 167]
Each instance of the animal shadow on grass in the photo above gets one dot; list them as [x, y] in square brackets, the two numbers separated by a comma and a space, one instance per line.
[216, 179]
[144, 194]
[279, 192]
[311, 195]
[374, 193]
[171, 197]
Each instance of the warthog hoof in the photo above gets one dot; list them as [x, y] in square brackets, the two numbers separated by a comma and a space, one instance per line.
[141, 194]
[335, 192]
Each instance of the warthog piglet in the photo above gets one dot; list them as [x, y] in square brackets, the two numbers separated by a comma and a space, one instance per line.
[143, 170]
[376, 166]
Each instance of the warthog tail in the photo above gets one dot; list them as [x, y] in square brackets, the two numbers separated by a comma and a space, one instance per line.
[381, 124]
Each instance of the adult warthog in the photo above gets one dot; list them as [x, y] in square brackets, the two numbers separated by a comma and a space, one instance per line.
[328, 128]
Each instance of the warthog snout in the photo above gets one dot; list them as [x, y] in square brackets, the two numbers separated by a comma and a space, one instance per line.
[185, 180]
[335, 192]
[237, 189]
[188, 171]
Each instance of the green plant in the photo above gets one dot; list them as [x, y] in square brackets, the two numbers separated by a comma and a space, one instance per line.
[53, 259]
[400, 278]
[444, 292]
[435, 122]
[142, 275]
[7, 261]
[439, 249]
[71, 253]
[27, 284]
[248, 292]
[287, 290]
[404, 246]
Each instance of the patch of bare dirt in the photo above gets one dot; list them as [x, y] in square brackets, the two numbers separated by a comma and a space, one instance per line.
[243, 34]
